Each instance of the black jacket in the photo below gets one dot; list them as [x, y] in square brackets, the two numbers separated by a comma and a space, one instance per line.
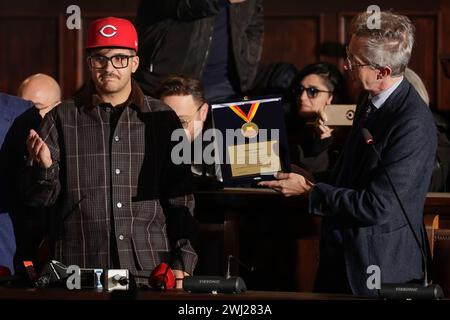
[175, 37]
[125, 173]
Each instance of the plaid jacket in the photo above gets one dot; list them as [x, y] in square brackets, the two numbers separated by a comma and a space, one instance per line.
[128, 171]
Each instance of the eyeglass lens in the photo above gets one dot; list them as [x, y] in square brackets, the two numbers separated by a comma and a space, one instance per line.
[118, 61]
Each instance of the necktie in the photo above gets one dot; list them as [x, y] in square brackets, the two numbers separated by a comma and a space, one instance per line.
[370, 109]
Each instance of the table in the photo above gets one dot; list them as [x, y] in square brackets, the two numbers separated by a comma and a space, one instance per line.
[224, 210]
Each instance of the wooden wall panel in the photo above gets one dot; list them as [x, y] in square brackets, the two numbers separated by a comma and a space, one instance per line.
[28, 45]
[299, 32]
[424, 59]
[286, 37]
[444, 35]
[31, 29]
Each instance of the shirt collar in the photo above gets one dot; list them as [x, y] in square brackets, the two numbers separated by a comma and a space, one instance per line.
[88, 98]
[381, 98]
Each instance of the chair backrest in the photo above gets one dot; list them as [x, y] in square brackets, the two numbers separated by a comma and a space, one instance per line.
[441, 259]
[431, 222]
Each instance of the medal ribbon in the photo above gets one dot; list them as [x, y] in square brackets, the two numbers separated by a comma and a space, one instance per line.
[246, 117]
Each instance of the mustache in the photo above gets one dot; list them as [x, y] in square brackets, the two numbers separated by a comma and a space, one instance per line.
[108, 75]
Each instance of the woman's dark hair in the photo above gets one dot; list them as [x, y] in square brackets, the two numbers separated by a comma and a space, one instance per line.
[332, 77]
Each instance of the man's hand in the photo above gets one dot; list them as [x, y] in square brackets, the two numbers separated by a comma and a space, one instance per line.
[235, 1]
[179, 276]
[322, 130]
[289, 184]
[39, 150]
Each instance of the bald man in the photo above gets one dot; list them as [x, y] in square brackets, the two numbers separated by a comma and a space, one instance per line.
[29, 223]
[42, 90]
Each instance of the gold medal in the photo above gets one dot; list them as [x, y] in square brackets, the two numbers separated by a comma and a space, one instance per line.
[249, 130]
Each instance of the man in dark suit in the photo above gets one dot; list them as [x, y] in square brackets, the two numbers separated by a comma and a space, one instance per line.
[10, 108]
[362, 221]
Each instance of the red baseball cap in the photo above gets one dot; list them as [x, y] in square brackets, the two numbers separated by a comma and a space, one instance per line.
[112, 32]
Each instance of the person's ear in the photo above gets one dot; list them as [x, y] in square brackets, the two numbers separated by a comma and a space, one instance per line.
[204, 111]
[330, 99]
[134, 64]
[88, 63]
[384, 72]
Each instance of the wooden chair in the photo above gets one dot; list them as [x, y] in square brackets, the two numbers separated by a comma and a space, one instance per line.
[431, 222]
[441, 259]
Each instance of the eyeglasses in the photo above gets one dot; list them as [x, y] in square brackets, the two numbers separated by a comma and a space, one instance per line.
[353, 65]
[185, 120]
[311, 92]
[119, 61]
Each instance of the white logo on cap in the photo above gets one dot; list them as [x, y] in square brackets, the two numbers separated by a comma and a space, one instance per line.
[110, 34]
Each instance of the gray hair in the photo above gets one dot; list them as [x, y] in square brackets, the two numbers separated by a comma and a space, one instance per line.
[390, 45]
[418, 84]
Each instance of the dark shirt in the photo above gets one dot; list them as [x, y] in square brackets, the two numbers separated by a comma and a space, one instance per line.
[115, 113]
[216, 70]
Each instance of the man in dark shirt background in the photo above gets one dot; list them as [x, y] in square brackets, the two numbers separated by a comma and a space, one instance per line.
[216, 41]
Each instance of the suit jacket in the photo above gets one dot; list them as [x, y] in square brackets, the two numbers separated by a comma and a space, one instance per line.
[127, 174]
[361, 214]
[10, 108]
[29, 223]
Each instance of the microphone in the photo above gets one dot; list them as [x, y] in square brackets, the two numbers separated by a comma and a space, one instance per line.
[4, 272]
[162, 277]
[53, 273]
[217, 284]
[404, 291]
[227, 275]
[116, 279]
[5, 276]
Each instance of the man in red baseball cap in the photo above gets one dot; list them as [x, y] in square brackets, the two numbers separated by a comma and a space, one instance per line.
[111, 47]
[106, 155]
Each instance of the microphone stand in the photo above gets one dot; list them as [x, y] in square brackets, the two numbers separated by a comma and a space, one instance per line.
[214, 284]
[228, 274]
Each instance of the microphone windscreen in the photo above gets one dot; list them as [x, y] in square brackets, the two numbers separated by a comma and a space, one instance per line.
[410, 291]
[367, 136]
[4, 272]
[210, 284]
[162, 277]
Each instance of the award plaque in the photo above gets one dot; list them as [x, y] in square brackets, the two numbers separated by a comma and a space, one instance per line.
[250, 140]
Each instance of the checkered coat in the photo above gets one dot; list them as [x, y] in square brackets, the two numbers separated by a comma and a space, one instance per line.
[128, 171]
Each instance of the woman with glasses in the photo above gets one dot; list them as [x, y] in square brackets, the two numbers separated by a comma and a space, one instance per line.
[313, 145]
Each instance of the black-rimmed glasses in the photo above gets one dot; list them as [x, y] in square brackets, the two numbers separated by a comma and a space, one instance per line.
[119, 61]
